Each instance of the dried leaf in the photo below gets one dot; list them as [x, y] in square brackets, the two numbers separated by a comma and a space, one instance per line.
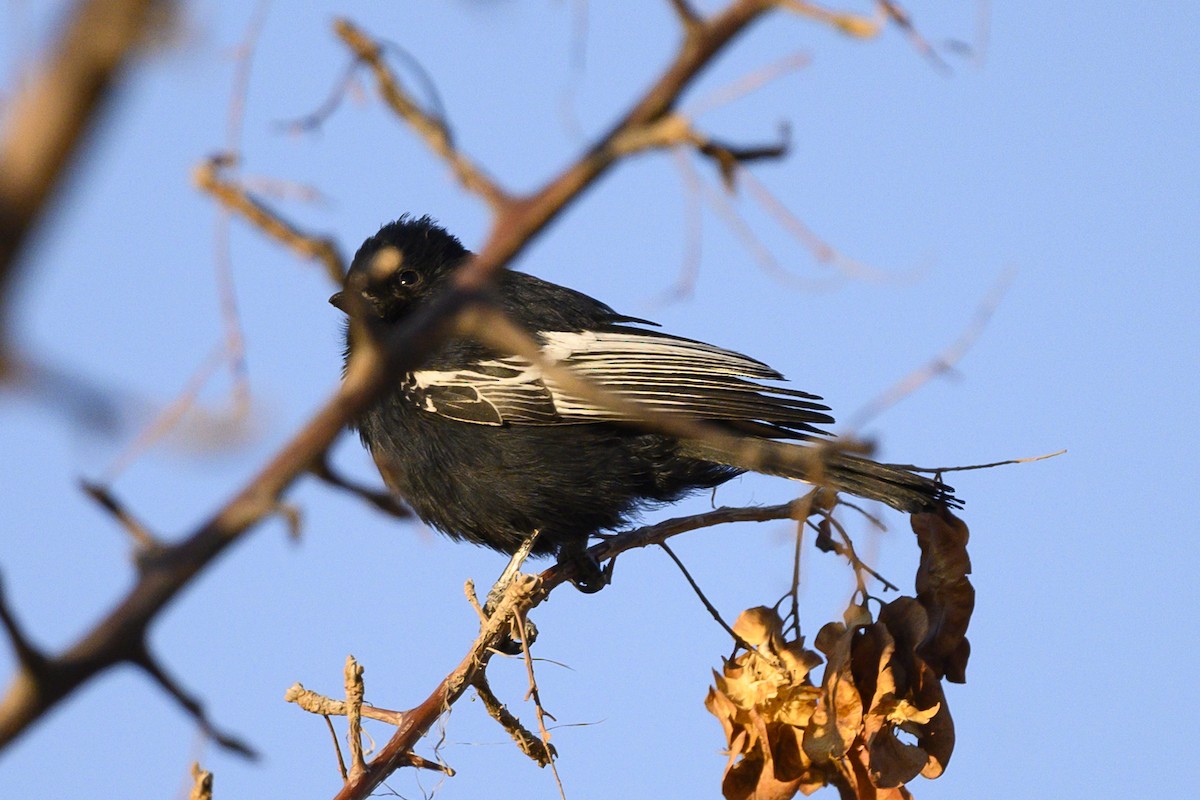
[759, 625]
[945, 591]
[838, 716]
[892, 762]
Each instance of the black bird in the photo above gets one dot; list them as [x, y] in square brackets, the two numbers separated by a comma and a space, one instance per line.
[487, 449]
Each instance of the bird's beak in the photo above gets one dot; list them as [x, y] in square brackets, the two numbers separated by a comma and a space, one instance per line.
[338, 301]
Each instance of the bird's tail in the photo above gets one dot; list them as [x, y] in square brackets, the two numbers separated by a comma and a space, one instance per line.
[897, 485]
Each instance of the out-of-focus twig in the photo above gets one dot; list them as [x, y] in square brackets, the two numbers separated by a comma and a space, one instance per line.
[48, 120]
[941, 363]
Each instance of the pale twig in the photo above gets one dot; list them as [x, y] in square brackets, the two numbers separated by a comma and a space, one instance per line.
[315, 703]
[941, 363]
[854, 25]
[431, 128]
[208, 177]
[689, 271]
[235, 340]
[202, 783]
[170, 415]
[1026, 460]
[538, 710]
[749, 83]
[822, 251]
[761, 255]
[354, 703]
[527, 741]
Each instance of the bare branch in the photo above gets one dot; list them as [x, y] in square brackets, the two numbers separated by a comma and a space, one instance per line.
[146, 541]
[941, 363]
[354, 702]
[432, 129]
[382, 499]
[207, 177]
[190, 704]
[528, 742]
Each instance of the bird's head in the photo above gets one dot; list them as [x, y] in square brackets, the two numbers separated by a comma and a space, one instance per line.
[403, 264]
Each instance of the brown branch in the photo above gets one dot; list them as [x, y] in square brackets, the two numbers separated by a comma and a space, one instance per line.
[524, 593]
[47, 122]
[712, 610]
[146, 541]
[382, 499]
[528, 742]
[432, 129]
[208, 177]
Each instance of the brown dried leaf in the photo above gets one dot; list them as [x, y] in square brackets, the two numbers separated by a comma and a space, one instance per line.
[892, 762]
[945, 592]
[758, 626]
[838, 715]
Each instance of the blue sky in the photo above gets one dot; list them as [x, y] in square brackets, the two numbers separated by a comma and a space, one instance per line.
[1068, 156]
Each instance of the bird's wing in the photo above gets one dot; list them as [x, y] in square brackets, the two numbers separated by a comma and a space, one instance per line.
[665, 373]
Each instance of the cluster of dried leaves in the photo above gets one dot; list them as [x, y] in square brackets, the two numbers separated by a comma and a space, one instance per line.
[878, 717]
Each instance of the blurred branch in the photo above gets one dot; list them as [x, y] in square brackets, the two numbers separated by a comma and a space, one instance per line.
[48, 120]
[943, 362]
[433, 129]
[208, 177]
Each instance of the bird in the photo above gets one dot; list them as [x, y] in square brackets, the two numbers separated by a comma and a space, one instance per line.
[487, 448]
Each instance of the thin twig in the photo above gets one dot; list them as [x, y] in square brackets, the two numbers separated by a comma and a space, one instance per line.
[1026, 460]
[703, 599]
[354, 703]
[142, 658]
[527, 741]
[208, 177]
[382, 499]
[146, 541]
[337, 748]
[941, 363]
[431, 128]
[538, 710]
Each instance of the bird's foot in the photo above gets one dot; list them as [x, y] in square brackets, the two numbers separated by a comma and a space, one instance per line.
[590, 576]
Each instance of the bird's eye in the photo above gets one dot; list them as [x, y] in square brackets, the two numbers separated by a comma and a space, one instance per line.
[408, 277]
